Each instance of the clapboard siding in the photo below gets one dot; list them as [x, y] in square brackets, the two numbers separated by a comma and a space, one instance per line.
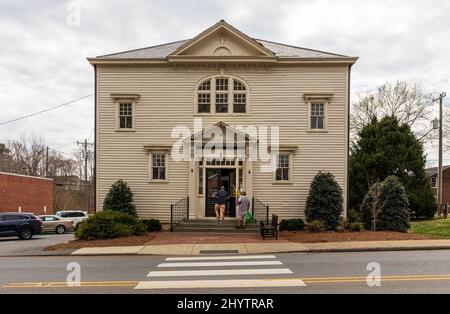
[167, 100]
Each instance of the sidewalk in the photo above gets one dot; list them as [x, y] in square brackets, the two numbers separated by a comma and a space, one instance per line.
[261, 247]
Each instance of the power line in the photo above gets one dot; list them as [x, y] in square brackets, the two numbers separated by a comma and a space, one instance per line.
[63, 153]
[46, 110]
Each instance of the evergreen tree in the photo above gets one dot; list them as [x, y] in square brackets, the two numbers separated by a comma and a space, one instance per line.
[386, 207]
[120, 198]
[325, 201]
[386, 148]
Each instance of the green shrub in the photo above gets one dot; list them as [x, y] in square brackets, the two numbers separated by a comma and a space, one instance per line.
[353, 216]
[355, 226]
[120, 198]
[386, 207]
[316, 226]
[110, 225]
[152, 224]
[292, 225]
[325, 201]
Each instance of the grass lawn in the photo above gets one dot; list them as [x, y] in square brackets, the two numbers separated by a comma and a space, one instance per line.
[435, 228]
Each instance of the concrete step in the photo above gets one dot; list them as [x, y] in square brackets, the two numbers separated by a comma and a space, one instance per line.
[211, 226]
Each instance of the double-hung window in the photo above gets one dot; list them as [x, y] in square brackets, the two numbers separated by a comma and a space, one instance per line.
[204, 97]
[126, 114]
[283, 172]
[125, 111]
[159, 166]
[239, 97]
[434, 182]
[318, 116]
[221, 95]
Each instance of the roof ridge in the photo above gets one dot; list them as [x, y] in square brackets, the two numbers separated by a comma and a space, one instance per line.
[138, 49]
[298, 47]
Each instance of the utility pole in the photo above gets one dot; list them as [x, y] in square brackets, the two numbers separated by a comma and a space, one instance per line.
[86, 186]
[46, 163]
[440, 172]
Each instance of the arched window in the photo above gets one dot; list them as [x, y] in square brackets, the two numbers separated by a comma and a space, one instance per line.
[222, 95]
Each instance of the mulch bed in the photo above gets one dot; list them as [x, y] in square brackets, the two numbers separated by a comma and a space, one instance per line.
[159, 238]
[323, 237]
[78, 244]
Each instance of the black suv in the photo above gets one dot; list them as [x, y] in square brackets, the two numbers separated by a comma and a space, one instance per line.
[21, 225]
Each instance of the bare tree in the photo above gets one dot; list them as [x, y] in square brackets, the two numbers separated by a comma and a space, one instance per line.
[407, 102]
[28, 156]
[5, 158]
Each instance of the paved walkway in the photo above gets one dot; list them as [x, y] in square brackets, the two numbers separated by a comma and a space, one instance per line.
[261, 247]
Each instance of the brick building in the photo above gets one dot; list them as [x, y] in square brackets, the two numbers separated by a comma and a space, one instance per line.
[30, 194]
[432, 174]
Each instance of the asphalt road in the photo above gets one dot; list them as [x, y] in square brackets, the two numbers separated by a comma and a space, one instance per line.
[402, 272]
[13, 246]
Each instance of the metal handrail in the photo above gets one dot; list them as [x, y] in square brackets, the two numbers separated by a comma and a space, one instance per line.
[260, 211]
[179, 212]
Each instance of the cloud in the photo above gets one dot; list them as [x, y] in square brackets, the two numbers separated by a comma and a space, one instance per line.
[43, 59]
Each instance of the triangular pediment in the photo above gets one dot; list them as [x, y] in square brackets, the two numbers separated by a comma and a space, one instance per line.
[222, 41]
[237, 134]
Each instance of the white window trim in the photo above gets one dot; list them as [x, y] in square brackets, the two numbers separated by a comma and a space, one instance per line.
[133, 102]
[291, 163]
[325, 102]
[231, 93]
[435, 182]
[165, 153]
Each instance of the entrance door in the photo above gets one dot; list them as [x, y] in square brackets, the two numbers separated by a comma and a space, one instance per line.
[215, 179]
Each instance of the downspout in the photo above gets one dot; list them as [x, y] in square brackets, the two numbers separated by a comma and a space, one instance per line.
[95, 138]
[348, 139]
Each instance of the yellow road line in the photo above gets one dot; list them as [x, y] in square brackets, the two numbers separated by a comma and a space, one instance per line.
[383, 278]
[324, 280]
[65, 285]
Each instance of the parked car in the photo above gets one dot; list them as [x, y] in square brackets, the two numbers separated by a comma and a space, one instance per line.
[22, 225]
[56, 224]
[77, 216]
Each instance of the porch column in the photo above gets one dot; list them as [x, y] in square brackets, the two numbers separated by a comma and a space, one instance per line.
[248, 178]
[192, 198]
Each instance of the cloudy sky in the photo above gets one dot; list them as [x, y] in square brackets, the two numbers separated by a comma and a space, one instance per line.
[43, 52]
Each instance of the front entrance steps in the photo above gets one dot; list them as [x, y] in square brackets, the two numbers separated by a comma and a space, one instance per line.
[211, 226]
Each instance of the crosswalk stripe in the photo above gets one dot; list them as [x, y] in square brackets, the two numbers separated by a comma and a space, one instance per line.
[221, 272]
[211, 284]
[213, 258]
[220, 264]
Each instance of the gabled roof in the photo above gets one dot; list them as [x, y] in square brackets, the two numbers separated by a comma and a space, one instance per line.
[164, 50]
[434, 171]
[267, 49]
[222, 25]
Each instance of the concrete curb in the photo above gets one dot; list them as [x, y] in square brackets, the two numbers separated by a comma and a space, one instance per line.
[262, 248]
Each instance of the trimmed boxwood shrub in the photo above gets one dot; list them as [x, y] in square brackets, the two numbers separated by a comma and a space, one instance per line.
[388, 204]
[292, 225]
[152, 224]
[120, 198]
[110, 225]
[325, 201]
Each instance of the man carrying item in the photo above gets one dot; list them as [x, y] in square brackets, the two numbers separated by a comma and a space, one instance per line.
[219, 208]
[244, 205]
